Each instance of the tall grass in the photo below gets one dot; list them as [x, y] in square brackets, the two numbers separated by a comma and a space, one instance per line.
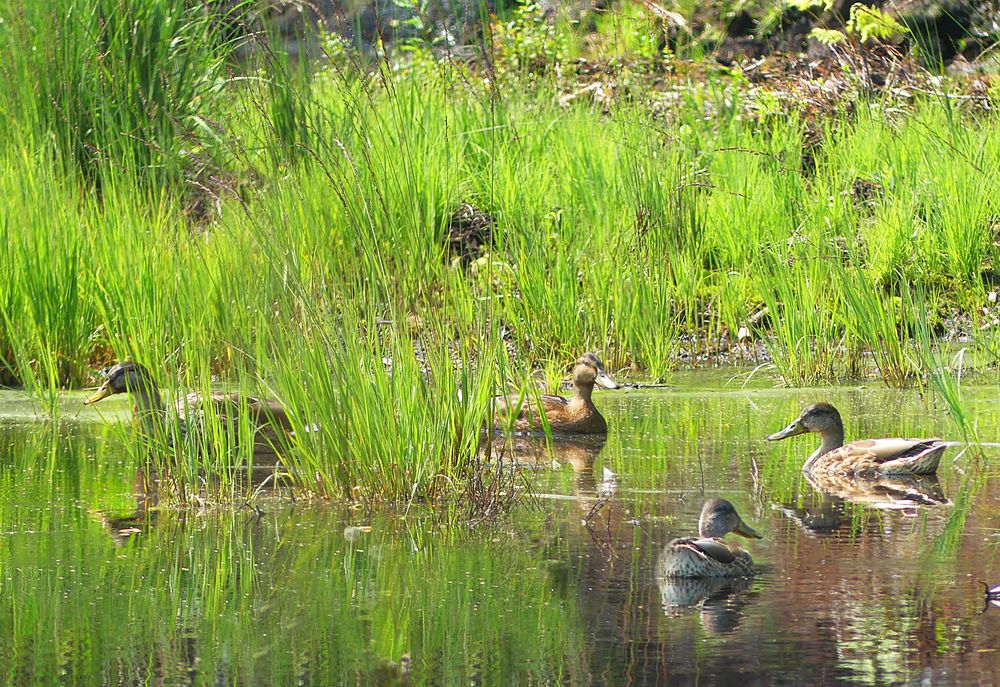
[945, 382]
[115, 84]
[377, 419]
[639, 228]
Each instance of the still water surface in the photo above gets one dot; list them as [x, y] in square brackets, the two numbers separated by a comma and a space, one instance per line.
[860, 583]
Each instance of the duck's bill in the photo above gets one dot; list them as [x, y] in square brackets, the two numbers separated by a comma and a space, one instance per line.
[789, 431]
[604, 380]
[103, 392]
[747, 531]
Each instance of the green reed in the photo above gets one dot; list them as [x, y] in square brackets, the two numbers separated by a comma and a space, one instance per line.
[946, 383]
[642, 230]
[116, 83]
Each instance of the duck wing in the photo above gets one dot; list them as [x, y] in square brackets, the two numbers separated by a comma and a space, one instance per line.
[885, 456]
[526, 401]
[195, 404]
[716, 549]
[232, 403]
[268, 412]
[269, 418]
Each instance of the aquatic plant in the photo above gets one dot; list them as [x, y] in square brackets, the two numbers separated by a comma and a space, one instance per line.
[202, 592]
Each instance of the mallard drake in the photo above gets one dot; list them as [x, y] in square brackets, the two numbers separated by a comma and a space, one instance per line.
[864, 456]
[710, 555]
[268, 418]
[576, 415]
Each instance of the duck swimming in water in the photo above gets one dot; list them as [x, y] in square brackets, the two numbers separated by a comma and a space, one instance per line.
[864, 456]
[710, 555]
[267, 418]
[576, 415]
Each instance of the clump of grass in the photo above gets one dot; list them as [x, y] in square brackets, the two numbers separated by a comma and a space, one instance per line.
[376, 419]
[878, 323]
[805, 339]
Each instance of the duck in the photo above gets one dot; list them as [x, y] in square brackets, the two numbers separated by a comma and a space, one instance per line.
[710, 555]
[864, 457]
[575, 415]
[269, 419]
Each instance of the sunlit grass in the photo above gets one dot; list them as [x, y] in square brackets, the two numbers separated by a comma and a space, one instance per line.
[321, 272]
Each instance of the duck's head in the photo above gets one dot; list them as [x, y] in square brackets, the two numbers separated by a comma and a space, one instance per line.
[589, 370]
[719, 517]
[820, 418]
[126, 376]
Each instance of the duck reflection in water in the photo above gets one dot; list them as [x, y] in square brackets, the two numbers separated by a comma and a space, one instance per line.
[125, 527]
[534, 453]
[708, 573]
[720, 600]
[537, 453]
[828, 514]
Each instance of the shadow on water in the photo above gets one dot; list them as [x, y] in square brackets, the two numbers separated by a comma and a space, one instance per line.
[870, 583]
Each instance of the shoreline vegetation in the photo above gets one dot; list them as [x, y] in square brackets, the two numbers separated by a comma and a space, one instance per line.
[384, 242]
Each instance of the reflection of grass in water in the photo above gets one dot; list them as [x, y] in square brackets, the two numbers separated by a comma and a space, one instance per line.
[266, 601]
[947, 544]
[875, 643]
[42, 459]
[948, 387]
[262, 601]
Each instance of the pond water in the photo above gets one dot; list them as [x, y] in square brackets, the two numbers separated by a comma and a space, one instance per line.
[863, 583]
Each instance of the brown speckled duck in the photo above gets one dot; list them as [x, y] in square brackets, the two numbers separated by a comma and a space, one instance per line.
[576, 415]
[710, 555]
[864, 456]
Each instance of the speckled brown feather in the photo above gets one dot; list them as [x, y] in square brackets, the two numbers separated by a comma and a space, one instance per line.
[709, 555]
[863, 457]
[268, 418]
[704, 558]
[576, 415]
